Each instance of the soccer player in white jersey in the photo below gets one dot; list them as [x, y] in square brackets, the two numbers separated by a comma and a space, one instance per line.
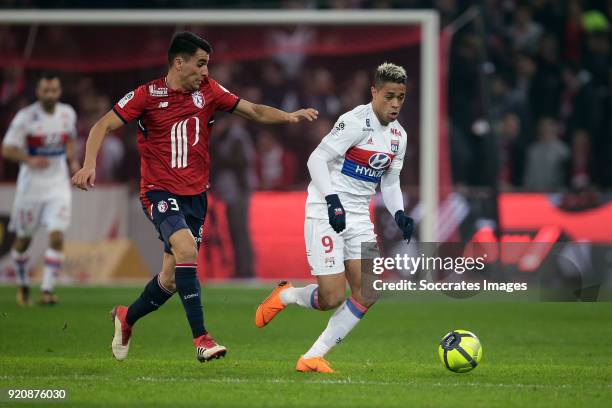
[41, 139]
[365, 148]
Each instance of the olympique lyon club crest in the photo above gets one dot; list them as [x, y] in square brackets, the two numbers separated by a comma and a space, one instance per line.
[394, 146]
[162, 206]
[198, 99]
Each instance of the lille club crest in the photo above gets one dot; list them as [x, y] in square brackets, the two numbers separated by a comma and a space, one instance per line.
[198, 99]
[162, 206]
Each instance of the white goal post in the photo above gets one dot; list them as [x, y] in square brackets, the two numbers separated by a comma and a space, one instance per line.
[429, 64]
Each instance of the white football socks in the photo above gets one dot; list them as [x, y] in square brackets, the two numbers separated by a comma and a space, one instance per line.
[53, 263]
[339, 326]
[308, 296]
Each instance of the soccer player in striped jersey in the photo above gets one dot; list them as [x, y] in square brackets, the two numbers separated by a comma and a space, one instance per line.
[175, 118]
[41, 139]
[365, 148]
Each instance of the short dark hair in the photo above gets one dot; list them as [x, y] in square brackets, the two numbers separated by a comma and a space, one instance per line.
[47, 75]
[186, 43]
[388, 72]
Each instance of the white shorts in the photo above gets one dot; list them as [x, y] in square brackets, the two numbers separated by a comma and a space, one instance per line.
[326, 250]
[28, 216]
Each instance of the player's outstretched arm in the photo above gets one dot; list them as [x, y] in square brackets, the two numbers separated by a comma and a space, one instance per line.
[86, 176]
[394, 201]
[269, 115]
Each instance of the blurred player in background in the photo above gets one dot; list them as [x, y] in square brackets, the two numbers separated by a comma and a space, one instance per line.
[40, 138]
[366, 147]
[175, 118]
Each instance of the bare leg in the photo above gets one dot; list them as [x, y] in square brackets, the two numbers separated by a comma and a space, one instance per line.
[347, 315]
[53, 262]
[20, 261]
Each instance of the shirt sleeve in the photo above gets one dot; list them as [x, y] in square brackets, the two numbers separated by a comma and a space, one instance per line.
[132, 105]
[16, 133]
[345, 134]
[319, 171]
[224, 99]
[398, 161]
[392, 192]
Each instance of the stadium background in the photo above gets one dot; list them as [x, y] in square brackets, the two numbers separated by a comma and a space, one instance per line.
[524, 120]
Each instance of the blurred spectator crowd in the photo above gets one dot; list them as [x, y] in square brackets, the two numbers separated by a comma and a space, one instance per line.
[532, 80]
[529, 98]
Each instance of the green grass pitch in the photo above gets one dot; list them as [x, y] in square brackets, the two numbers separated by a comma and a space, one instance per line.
[535, 354]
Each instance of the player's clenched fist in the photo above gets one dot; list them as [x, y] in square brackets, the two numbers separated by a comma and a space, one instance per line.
[335, 211]
[84, 178]
[405, 223]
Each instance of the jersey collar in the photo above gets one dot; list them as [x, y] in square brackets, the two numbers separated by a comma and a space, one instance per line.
[176, 90]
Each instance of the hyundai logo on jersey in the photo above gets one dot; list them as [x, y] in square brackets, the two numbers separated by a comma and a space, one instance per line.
[366, 165]
[379, 161]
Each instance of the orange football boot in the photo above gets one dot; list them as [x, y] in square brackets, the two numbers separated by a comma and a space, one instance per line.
[271, 306]
[315, 364]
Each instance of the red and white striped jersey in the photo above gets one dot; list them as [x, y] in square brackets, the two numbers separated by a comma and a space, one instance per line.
[173, 133]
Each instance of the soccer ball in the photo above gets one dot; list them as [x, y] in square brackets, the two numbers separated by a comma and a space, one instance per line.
[460, 351]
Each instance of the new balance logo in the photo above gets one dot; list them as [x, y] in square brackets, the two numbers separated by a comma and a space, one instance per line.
[163, 104]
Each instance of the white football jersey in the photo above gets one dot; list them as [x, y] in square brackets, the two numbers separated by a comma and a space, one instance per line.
[43, 134]
[365, 150]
